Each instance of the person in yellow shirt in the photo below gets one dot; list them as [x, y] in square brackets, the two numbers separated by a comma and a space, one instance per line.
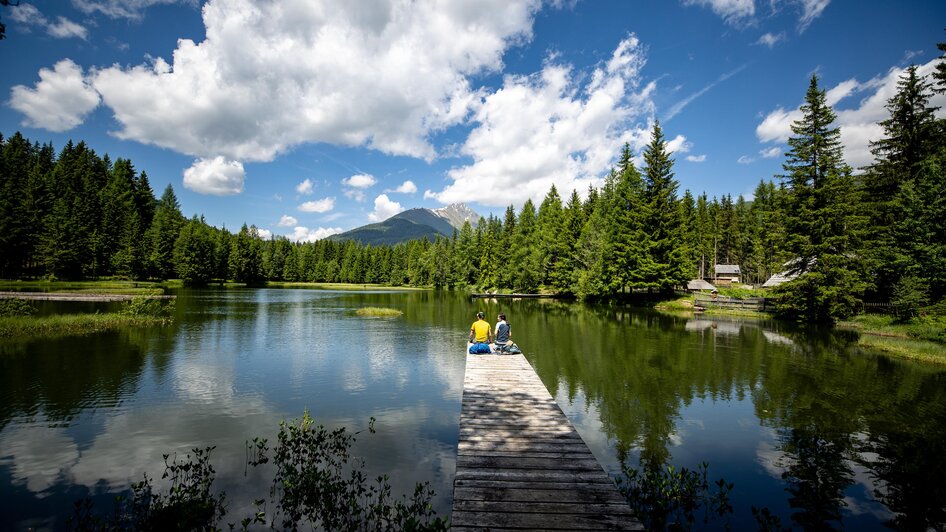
[480, 331]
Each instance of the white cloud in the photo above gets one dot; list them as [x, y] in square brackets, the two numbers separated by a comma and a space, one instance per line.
[745, 159]
[29, 15]
[304, 234]
[360, 181]
[407, 187]
[384, 208]
[217, 176]
[287, 221]
[732, 11]
[811, 9]
[696, 158]
[59, 101]
[556, 126]
[272, 75]
[64, 28]
[859, 124]
[131, 9]
[771, 39]
[322, 205]
[265, 234]
[305, 187]
[769, 153]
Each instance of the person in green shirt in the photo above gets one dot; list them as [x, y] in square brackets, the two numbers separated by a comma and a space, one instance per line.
[481, 331]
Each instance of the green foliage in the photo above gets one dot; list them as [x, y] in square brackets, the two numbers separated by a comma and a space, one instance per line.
[16, 307]
[671, 499]
[188, 503]
[148, 306]
[318, 484]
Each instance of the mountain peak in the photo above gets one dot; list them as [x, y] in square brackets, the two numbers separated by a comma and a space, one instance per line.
[457, 213]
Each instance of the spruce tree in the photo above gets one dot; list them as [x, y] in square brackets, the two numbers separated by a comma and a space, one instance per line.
[821, 218]
[163, 234]
[910, 136]
[628, 263]
[551, 248]
[663, 218]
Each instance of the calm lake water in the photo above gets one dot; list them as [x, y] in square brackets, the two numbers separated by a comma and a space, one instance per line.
[824, 435]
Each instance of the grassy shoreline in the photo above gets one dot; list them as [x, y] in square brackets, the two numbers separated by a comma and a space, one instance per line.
[73, 324]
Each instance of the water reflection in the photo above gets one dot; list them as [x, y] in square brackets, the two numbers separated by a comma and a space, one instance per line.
[802, 421]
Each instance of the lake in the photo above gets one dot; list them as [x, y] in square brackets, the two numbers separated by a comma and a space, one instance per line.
[801, 421]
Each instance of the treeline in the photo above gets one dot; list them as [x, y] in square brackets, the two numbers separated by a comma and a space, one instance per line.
[878, 235]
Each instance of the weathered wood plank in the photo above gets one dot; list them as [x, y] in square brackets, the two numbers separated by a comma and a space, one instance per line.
[520, 462]
[501, 520]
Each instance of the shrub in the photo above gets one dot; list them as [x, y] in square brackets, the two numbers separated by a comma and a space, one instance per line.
[16, 307]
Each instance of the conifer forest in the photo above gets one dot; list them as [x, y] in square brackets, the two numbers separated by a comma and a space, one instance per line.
[850, 235]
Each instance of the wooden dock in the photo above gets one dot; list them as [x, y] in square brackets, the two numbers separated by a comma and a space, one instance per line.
[520, 464]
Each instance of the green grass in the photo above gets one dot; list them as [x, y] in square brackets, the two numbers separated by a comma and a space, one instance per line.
[338, 286]
[378, 312]
[930, 328]
[681, 304]
[73, 324]
[919, 350]
[741, 313]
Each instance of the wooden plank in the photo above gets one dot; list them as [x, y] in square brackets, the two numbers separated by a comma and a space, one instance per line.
[520, 462]
[534, 521]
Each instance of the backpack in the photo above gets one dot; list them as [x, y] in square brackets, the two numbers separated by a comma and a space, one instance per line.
[510, 348]
[480, 348]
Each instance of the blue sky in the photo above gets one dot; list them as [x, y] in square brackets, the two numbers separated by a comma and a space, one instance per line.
[308, 117]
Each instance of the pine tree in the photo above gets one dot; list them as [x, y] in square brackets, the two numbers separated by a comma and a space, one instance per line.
[628, 264]
[246, 258]
[663, 221]
[910, 137]
[821, 218]
[939, 75]
[527, 274]
[163, 233]
[16, 158]
[551, 250]
[194, 253]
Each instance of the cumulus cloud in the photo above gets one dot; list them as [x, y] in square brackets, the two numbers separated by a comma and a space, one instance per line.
[859, 124]
[29, 16]
[360, 181]
[696, 158]
[130, 9]
[272, 75]
[59, 101]
[305, 187]
[407, 187]
[304, 234]
[771, 39]
[357, 184]
[217, 176]
[384, 208]
[322, 205]
[556, 126]
[732, 11]
[287, 221]
[265, 234]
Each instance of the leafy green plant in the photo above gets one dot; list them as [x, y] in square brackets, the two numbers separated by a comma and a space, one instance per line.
[671, 499]
[188, 504]
[16, 307]
[318, 484]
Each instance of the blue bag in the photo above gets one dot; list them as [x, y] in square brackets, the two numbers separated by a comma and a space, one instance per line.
[480, 348]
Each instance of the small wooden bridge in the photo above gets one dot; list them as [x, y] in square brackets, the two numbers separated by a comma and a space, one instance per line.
[520, 464]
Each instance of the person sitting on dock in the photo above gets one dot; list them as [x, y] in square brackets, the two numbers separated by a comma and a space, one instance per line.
[502, 331]
[480, 331]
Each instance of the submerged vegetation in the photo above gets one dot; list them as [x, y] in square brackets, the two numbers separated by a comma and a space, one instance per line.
[379, 312]
[317, 483]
